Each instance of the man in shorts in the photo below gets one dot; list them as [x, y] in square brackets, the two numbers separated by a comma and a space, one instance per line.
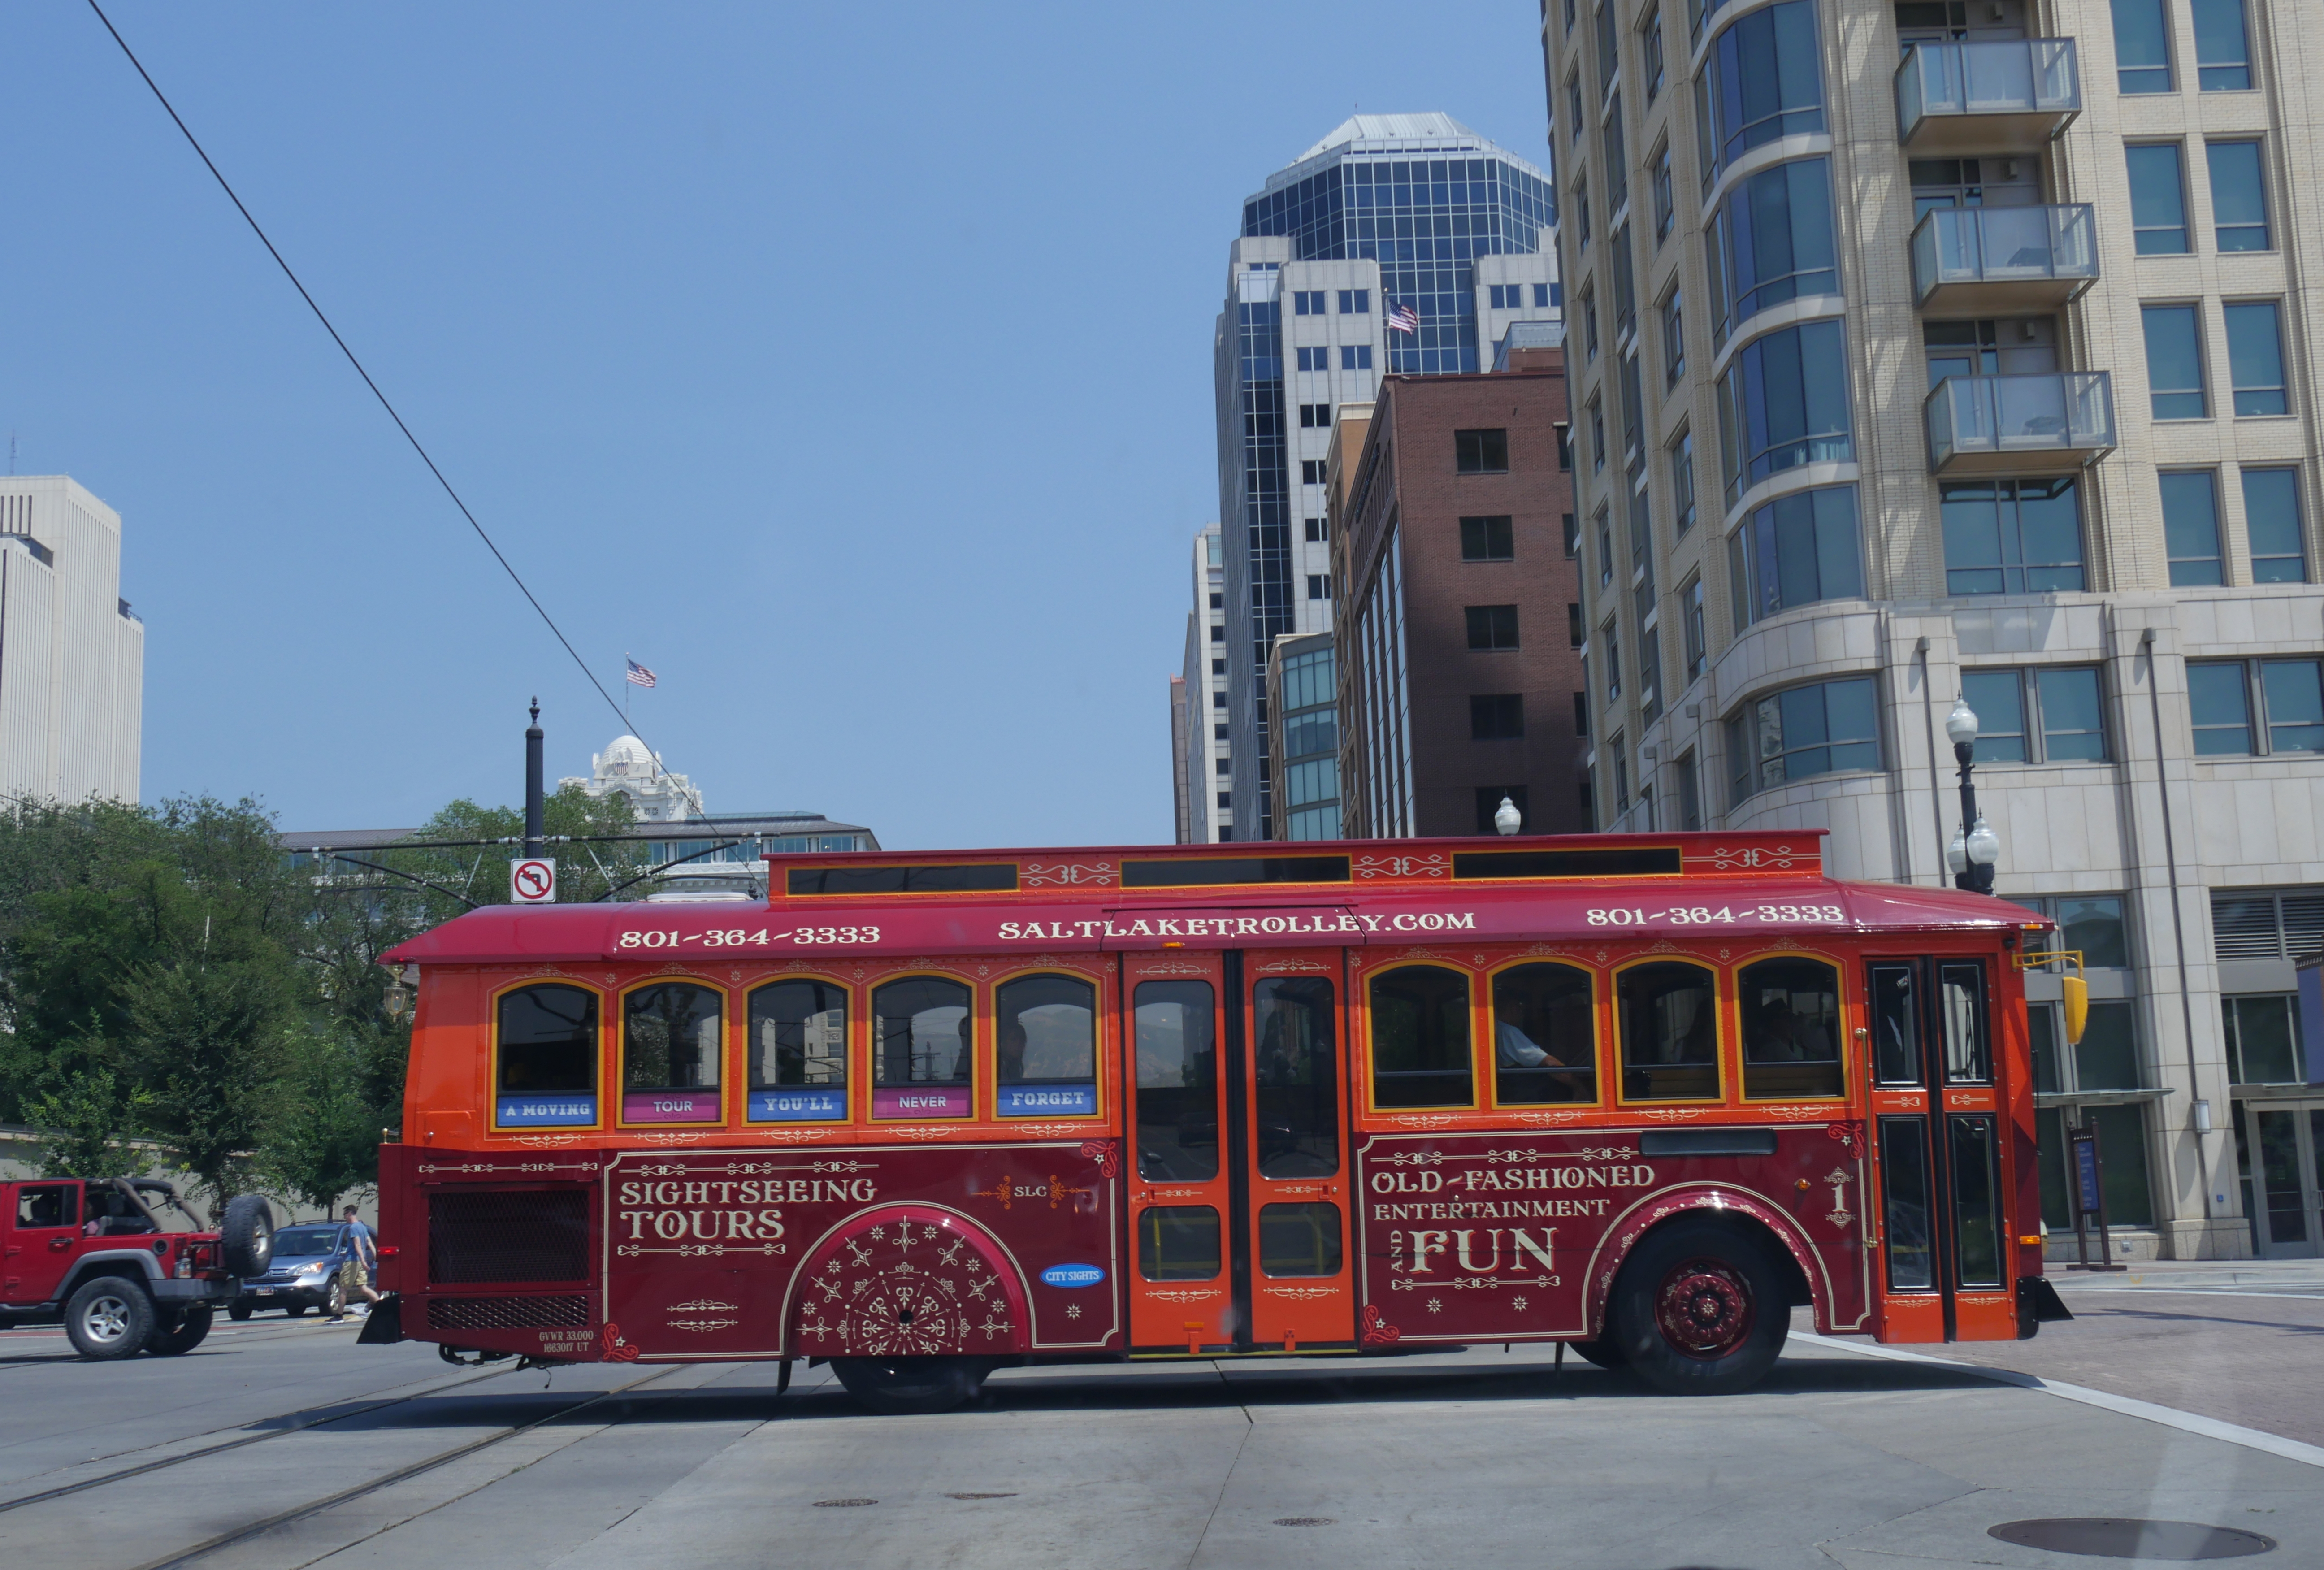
[364, 1268]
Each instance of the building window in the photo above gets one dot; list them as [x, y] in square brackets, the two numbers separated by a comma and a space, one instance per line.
[1569, 15]
[1582, 709]
[1496, 717]
[1764, 82]
[2285, 697]
[1796, 550]
[1605, 548]
[1801, 733]
[2266, 924]
[2174, 361]
[1597, 437]
[2239, 196]
[1690, 797]
[1610, 60]
[1318, 530]
[1650, 51]
[1650, 672]
[1506, 296]
[1355, 303]
[1665, 203]
[1223, 767]
[1784, 402]
[2158, 198]
[1492, 627]
[1218, 668]
[1673, 339]
[2222, 46]
[1314, 359]
[1218, 700]
[1355, 356]
[1488, 540]
[1319, 586]
[1218, 635]
[1626, 294]
[1314, 417]
[1481, 452]
[1564, 446]
[1308, 302]
[2142, 47]
[1771, 241]
[1698, 642]
[2043, 713]
[1311, 471]
[2279, 551]
[2013, 537]
[1575, 635]
[1589, 325]
[2190, 527]
[1682, 461]
[1225, 801]
[1544, 295]
[1633, 412]
[2264, 1040]
[1570, 530]
[1581, 216]
[1617, 159]
[1218, 733]
[2256, 358]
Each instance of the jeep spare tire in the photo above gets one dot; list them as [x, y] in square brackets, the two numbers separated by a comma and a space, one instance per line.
[248, 1233]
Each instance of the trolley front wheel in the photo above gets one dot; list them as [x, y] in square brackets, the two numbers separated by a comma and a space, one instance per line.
[910, 1384]
[1702, 1308]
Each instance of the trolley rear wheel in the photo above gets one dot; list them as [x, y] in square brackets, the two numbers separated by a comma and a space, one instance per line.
[1602, 1351]
[902, 1385]
[1702, 1308]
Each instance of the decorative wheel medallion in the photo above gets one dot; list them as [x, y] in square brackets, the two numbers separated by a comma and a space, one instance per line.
[1704, 1308]
[905, 1289]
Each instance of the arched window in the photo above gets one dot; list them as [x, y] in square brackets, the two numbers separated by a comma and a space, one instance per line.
[1292, 1060]
[1178, 1081]
[1669, 1031]
[672, 1035]
[920, 1034]
[1764, 81]
[1045, 1047]
[1545, 1035]
[1790, 1028]
[1420, 1038]
[547, 1048]
[797, 1052]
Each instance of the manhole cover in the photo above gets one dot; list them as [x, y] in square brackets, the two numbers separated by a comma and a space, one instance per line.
[2109, 1537]
[980, 1496]
[1304, 1521]
[823, 1504]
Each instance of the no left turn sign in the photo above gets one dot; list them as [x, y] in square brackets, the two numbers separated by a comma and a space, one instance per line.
[532, 881]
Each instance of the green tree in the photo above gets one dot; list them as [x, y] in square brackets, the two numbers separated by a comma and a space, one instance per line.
[324, 1139]
[91, 1117]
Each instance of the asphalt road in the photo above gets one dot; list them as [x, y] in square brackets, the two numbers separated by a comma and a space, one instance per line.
[361, 1457]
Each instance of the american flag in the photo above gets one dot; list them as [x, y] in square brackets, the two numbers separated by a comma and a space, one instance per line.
[639, 676]
[1403, 318]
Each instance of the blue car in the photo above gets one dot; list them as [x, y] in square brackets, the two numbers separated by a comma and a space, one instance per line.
[309, 1269]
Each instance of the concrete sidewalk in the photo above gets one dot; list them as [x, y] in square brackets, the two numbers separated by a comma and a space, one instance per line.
[2296, 1275]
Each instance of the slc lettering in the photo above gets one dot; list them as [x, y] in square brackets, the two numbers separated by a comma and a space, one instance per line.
[719, 1211]
[1239, 926]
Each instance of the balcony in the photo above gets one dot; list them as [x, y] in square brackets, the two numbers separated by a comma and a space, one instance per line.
[1991, 259]
[1998, 97]
[2019, 425]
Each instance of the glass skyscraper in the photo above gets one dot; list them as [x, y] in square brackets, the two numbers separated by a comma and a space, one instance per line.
[1398, 243]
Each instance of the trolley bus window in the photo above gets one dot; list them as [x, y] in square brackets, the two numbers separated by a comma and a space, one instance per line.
[548, 1057]
[1791, 1029]
[920, 1050]
[1298, 1132]
[1976, 1202]
[1299, 1240]
[1178, 1242]
[1896, 1026]
[798, 1054]
[671, 1034]
[1545, 1036]
[1177, 1082]
[1905, 1203]
[1420, 1038]
[1960, 1000]
[1670, 1032]
[1045, 1052]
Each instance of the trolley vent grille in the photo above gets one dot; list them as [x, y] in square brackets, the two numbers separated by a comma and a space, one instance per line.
[508, 1234]
[507, 1313]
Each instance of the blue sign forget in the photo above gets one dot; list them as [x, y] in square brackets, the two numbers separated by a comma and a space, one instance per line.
[1048, 1101]
[547, 1112]
[1072, 1275]
[798, 1106]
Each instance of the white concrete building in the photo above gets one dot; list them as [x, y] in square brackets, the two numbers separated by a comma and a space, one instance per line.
[1204, 769]
[626, 768]
[1933, 349]
[73, 657]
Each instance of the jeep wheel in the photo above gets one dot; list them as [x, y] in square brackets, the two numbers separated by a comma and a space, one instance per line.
[193, 1323]
[248, 1232]
[238, 1311]
[902, 1385]
[109, 1319]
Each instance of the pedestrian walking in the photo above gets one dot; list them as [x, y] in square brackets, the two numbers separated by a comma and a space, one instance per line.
[365, 1265]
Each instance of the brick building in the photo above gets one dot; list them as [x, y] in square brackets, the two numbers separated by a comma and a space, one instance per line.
[1460, 680]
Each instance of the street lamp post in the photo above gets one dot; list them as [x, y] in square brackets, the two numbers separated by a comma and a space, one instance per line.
[1975, 848]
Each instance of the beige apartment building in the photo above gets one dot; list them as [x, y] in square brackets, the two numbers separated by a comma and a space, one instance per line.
[72, 654]
[1962, 348]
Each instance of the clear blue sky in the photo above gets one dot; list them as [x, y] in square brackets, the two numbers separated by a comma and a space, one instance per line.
[849, 366]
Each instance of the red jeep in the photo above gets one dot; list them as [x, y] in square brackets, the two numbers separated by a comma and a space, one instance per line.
[92, 1253]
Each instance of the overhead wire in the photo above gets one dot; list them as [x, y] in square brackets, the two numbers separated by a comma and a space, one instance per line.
[224, 185]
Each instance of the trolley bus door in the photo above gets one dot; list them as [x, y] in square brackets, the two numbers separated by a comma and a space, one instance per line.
[1294, 1273]
[1937, 1122]
[1180, 1173]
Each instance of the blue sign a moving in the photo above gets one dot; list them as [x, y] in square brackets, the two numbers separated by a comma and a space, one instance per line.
[1049, 1101]
[547, 1112]
[798, 1106]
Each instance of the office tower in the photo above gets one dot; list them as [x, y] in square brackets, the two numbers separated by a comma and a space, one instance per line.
[1953, 350]
[72, 656]
[1398, 242]
[1204, 763]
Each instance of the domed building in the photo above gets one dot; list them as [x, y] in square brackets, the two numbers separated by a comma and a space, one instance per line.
[628, 769]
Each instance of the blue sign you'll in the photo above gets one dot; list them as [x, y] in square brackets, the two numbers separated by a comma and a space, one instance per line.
[798, 1106]
[1049, 1101]
[547, 1112]
[1072, 1275]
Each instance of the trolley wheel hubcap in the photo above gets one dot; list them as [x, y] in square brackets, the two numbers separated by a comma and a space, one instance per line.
[105, 1319]
[1704, 1308]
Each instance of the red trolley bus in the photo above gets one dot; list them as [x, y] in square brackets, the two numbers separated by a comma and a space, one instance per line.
[924, 1115]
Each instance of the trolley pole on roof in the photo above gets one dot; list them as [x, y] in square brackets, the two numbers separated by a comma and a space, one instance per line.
[532, 803]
